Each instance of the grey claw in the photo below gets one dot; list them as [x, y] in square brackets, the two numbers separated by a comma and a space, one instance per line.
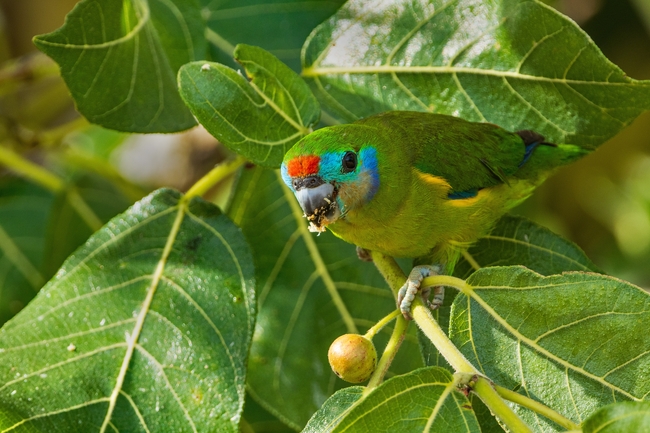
[407, 292]
[364, 254]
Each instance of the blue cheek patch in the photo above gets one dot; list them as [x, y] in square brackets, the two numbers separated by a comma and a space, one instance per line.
[370, 166]
[285, 176]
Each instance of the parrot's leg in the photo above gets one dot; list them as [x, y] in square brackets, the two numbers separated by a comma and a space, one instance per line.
[364, 254]
[407, 292]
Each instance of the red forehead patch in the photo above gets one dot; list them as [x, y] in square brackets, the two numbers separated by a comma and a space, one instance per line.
[302, 166]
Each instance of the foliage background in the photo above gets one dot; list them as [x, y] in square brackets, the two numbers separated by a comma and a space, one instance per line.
[602, 203]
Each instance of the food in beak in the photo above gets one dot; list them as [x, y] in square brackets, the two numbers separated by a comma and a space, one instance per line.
[319, 205]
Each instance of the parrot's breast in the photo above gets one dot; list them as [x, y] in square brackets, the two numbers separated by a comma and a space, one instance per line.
[426, 217]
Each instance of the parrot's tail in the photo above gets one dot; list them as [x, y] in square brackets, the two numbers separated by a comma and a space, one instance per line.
[543, 160]
[531, 140]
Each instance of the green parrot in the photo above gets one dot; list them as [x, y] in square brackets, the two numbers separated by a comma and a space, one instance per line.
[417, 185]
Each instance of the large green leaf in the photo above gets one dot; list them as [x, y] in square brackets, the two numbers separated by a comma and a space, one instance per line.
[120, 58]
[146, 328]
[38, 230]
[575, 341]
[312, 289]
[260, 119]
[518, 241]
[425, 400]
[517, 63]
[278, 26]
[623, 417]
[513, 241]
[334, 409]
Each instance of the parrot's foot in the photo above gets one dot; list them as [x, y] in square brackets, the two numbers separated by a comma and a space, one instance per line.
[407, 292]
[364, 254]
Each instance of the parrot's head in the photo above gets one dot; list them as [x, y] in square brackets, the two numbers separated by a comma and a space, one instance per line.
[331, 172]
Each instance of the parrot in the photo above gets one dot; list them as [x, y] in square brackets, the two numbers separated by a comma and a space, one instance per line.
[417, 185]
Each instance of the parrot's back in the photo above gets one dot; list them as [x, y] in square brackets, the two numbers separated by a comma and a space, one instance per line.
[443, 182]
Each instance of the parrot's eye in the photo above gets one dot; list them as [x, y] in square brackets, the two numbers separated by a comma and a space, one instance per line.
[349, 162]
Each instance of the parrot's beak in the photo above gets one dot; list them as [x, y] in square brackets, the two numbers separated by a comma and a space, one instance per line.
[318, 200]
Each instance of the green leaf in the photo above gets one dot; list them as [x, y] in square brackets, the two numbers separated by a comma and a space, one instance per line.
[334, 409]
[146, 328]
[279, 27]
[24, 211]
[574, 342]
[260, 119]
[120, 58]
[424, 400]
[517, 63]
[623, 417]
[312, 289]
[518, 241]
[513, 241]
[38, 230]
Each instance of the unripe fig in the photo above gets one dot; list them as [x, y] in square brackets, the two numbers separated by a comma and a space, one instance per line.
[353, 358]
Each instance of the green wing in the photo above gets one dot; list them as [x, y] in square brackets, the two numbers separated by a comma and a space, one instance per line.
[468, 155]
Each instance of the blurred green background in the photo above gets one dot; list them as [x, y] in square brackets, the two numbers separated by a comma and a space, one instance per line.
[602, 203]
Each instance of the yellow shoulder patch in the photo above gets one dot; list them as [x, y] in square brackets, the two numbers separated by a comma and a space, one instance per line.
[432, 180]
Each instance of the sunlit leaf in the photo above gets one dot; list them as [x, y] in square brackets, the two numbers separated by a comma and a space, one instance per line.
[146, 328]
[260, 119]
[120, 58]
[312, 289]
[517, 63]
[425, 400]
[278, 26]
[575, 341]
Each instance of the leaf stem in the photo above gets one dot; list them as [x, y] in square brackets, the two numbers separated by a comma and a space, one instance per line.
[537, 407]
[30, 170]
[447, 281]
[430, 327]
[55, 135]
[470, 259]
[393, 345]
[51, 182]
[14, 254]
[218, 41]
[85, 212]
[216, 175]
[383, 322]
[483, 388]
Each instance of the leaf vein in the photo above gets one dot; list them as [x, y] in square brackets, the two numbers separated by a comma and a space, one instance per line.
[168, 384]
